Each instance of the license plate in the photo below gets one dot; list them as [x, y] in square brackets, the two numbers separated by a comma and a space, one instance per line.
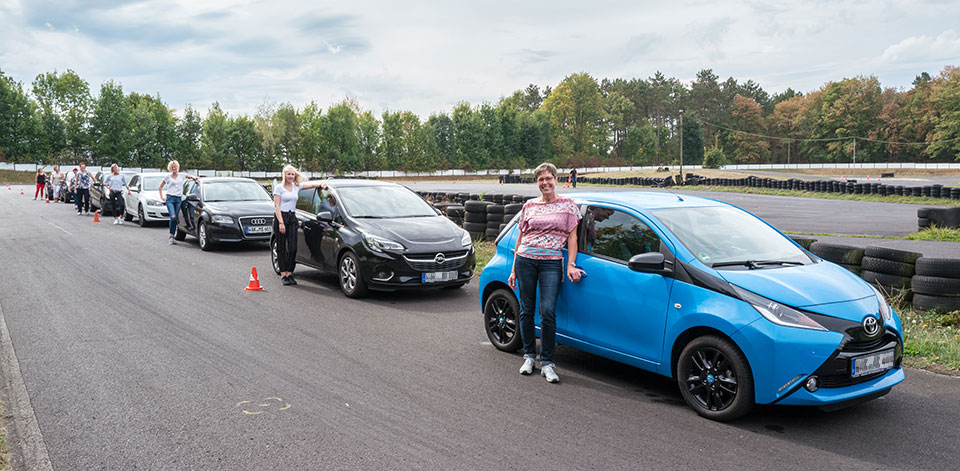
[869, 364]
[257, 229]
[434, 277]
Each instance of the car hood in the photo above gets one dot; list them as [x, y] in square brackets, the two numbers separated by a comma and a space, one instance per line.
[802, 286]
[150, 195]
[241, 208]
[417, 234]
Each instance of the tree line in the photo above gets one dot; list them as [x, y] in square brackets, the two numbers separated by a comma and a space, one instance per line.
[579, 122]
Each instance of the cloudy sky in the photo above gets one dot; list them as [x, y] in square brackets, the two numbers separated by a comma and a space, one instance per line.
[425, 56]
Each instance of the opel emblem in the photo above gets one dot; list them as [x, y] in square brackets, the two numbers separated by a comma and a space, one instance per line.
[440, 258]
[871, 326]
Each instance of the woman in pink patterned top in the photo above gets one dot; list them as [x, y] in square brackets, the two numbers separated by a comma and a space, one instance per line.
[547, 224]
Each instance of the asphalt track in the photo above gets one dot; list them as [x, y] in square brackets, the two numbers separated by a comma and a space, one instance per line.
[138, 355]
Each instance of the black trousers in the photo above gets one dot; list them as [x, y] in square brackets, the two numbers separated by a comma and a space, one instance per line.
[83, 199]
[116, 203]
[286, 243]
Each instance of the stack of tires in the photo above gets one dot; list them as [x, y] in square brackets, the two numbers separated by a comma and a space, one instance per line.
[494, 219]
[843, 255]
[475, 218]
[936, 284]
[455, 213]
[940, 217]
[509, 211]
[890, 270]
[804, 242]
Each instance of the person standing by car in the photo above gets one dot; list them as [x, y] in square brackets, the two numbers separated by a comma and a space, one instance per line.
[546, 224]
[81, 192]
[174, 198]
[41, 182]
[115, 183]
[55, 180]
[285, 220]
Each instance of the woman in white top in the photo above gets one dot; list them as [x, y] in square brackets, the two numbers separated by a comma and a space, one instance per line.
[285, 223]
[55, 179]
[114, 184]
[174, 198]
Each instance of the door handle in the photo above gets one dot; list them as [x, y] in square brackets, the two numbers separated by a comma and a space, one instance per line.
[584, 272]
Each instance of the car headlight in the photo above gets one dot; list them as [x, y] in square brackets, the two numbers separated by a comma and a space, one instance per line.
[155, 203]
[222, 219]
[465, 239]
[379, 244]
[885, 310]
[778, 313]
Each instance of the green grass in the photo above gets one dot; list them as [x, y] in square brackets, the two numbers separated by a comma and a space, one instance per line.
[936, 233]
[931, 339]
[16, 177]
[485, 251]
[813, 194]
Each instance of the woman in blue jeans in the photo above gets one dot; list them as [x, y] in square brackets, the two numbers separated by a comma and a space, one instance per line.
[174, 198]
[547, 224]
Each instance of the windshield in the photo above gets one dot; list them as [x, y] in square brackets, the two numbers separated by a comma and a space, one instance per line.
[234, 191]
[152, 183]
[383, 202]
[722, 234]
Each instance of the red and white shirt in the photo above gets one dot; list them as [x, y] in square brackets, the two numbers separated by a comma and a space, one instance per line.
[546, 226]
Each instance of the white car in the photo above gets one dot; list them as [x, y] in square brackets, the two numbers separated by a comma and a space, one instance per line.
[143, 202]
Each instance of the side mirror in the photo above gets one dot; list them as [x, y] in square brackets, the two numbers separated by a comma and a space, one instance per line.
[437, 210]
[651, 262]
[134, 190]
[325, 216]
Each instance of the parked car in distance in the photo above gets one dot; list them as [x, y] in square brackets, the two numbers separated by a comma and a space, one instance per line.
[225, 210]
[143, 202]
[708, 294]
[379, 235]
[100, 199]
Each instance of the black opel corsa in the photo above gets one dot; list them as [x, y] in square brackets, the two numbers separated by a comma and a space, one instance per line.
[225, 209]
[379, 235]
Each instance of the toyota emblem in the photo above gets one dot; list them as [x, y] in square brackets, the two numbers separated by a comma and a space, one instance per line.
[440, 258]
[870, 326]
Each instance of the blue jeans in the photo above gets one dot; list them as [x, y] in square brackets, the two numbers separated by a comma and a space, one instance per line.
[173, 209]
[548, 274]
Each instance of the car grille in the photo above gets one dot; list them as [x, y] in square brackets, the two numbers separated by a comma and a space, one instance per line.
[255, 221]
[835, 373]
[428, 261]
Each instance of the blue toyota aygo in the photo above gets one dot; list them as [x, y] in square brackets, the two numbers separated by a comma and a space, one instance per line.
[704, 292]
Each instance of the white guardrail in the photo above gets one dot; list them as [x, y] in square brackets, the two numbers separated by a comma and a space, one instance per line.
[453, 173]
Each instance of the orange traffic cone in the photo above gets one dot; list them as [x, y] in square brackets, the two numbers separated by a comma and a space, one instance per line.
[254, 284]
[96, 216]
[48, 200]
[21, 192]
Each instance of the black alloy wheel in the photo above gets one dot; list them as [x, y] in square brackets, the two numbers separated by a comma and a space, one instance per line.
[203, 237]
[351, 282]
[501, 320]
[140, 218]
[715, 379]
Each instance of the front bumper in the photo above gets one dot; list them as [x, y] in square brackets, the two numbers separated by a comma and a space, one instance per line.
[388, 271]
[235, 231]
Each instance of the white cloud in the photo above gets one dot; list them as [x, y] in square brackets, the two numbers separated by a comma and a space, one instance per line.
[945, 46]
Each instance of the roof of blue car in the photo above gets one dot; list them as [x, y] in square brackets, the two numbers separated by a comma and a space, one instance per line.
[645, 199]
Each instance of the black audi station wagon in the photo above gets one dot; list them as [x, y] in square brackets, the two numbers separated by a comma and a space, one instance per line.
[225, 209]
[379, 235]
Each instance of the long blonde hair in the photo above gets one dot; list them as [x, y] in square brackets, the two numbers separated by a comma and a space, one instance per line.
[297, 180]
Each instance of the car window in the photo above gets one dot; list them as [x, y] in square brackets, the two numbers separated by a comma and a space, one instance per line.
[234, 190]
[134, 181]
[383, 201]
[326, 201]
[151, 183]
[616, 234]
[190, 188]
[305, 200]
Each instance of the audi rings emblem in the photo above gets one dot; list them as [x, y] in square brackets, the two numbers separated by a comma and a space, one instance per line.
[440, 258]
[870, 326]
[258, 222]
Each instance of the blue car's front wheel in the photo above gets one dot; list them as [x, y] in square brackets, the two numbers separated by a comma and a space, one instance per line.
[715, 379]
[501, 320]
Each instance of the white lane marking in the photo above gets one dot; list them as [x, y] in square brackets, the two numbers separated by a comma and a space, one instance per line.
[29, 439]
[58, 227]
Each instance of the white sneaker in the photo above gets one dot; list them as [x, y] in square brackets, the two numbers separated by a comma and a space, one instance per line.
[171, 242]
[121, 221]
[527, 367]
[549, 373]
[116, 221]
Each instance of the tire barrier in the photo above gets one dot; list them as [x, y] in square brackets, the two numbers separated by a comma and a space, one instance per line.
[804, 242]
[936, 284]
[941, 217]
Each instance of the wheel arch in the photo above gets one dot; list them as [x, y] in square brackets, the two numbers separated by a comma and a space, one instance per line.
[490, 288]
[692, 333]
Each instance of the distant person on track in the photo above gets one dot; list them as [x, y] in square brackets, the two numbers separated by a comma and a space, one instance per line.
[573, 177]
[56, 178]
[41, 183]
[81, 192]
[115, 183]
[285, 219]
[547, 224]
[174, 197]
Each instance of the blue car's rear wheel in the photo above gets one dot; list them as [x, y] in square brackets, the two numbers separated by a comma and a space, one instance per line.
[501, 320]
[715, 379]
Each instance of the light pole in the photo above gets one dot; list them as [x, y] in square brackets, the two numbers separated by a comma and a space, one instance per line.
[681, 147]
